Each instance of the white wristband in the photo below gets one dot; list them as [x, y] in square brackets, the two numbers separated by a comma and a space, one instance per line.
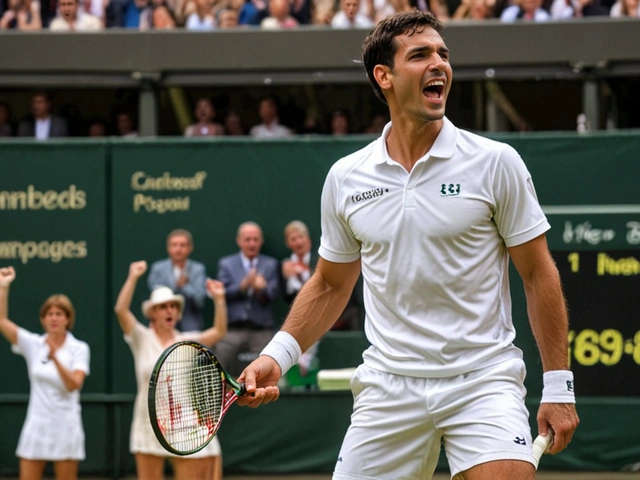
[558, 387]
[284, 349]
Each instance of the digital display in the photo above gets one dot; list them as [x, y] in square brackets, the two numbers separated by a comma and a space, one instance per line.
[602, 289]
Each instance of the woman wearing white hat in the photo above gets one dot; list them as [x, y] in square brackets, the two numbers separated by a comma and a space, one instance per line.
[164, 309]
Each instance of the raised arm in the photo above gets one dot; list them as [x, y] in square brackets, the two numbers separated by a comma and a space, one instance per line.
[8, 329]
[219, 329]
[316, 308]
[123, 304]
[547, 313]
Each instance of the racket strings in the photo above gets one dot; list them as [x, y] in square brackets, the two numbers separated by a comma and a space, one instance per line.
[189, 398]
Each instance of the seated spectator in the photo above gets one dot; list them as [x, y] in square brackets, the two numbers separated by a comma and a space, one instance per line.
[202, 19]
[301, 11]
[280, 15]
[227, 18]
[22, 15]
[270, 126]
[474, 10]
[378, 122]
[97, 8]
[97, 128]
[253, 12]
[349, 17]
[137, 13]
[233, 124]
[42, 124]
[590, 8]
[626, 8]
[6, 128]
[71, 18]
[323, 12]
[340, 123]
[160, 17]
[529, 10]
[205, 114]
[561, 9]
[125, 125]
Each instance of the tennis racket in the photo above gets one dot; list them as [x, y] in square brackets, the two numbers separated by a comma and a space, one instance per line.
[189, 393]
[540, 445]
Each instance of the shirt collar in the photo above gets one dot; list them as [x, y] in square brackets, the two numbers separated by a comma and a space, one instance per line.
[443, 147]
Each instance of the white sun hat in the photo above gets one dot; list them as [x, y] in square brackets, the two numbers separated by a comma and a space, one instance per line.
[162, 295]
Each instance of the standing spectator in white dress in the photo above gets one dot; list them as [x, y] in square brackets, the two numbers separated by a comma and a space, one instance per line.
[57, 364]
[164, 310]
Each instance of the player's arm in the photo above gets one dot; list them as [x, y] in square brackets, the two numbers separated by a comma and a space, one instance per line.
[123, 304]
[316, 308]
[547, 313]
[7, 328]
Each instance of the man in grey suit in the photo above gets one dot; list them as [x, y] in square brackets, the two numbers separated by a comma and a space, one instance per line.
[44, 124]
[184, 276]
[252, 282]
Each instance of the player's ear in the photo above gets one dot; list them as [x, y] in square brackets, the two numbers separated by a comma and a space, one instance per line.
[382, 74]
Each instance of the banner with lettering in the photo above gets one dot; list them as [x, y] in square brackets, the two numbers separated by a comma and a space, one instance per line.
[53, 228]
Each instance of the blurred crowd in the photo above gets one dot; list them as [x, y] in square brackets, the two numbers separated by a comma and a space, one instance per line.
[204, 15]
[42, 123]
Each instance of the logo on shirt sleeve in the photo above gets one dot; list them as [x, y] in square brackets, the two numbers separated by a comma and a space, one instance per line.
[369, 194]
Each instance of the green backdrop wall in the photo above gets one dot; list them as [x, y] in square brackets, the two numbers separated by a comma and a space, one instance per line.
[74, 214]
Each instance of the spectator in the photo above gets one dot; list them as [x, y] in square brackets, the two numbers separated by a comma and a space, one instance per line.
[626, 8]
[280, 17]
[530, 10]
[73, 19]
[590, 8]
[183, 276]
[270, 126]
[233, 123]
[301, 11]
[205, 114]
[6, 128]
[22, 15]
[97, 128]
[349, 17]
[252, 283]
[340, 123]
[202, 19]
[378, 121]
[57, 364]
[252, 12]
[323, 12]
[97, 8]
[137, 14]
[227, 18]
[42, 124]
[561, 9]
[125, 126]
[164, 309]
[160, 17]
[473, 10]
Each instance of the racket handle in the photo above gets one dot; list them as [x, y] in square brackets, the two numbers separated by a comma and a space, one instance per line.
[242, 390]
[540, 445]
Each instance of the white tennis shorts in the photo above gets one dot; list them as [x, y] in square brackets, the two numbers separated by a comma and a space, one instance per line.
[398, 423]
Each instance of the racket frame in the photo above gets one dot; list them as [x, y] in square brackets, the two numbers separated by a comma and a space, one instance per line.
[231, 390]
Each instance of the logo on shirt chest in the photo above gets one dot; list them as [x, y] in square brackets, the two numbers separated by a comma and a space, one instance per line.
[449, 189]
[369, 194]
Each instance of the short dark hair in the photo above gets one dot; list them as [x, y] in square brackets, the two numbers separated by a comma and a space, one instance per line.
[380, 47]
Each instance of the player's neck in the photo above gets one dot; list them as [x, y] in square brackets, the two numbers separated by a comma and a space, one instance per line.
[409, 140]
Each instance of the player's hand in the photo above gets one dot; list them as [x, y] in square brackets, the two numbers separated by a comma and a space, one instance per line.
[215, 289]
[562, 419]
[7, 275]
[260, 379]
[137, 269]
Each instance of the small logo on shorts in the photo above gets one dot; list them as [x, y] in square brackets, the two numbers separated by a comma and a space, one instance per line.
[339, 459]
[520, 441]
[569, 386]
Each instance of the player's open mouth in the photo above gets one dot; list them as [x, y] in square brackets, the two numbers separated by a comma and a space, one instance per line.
[434, 89]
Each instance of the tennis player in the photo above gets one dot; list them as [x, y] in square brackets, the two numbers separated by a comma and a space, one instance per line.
[431, 215]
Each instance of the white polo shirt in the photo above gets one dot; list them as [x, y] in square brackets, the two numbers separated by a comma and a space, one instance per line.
[433, 244]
